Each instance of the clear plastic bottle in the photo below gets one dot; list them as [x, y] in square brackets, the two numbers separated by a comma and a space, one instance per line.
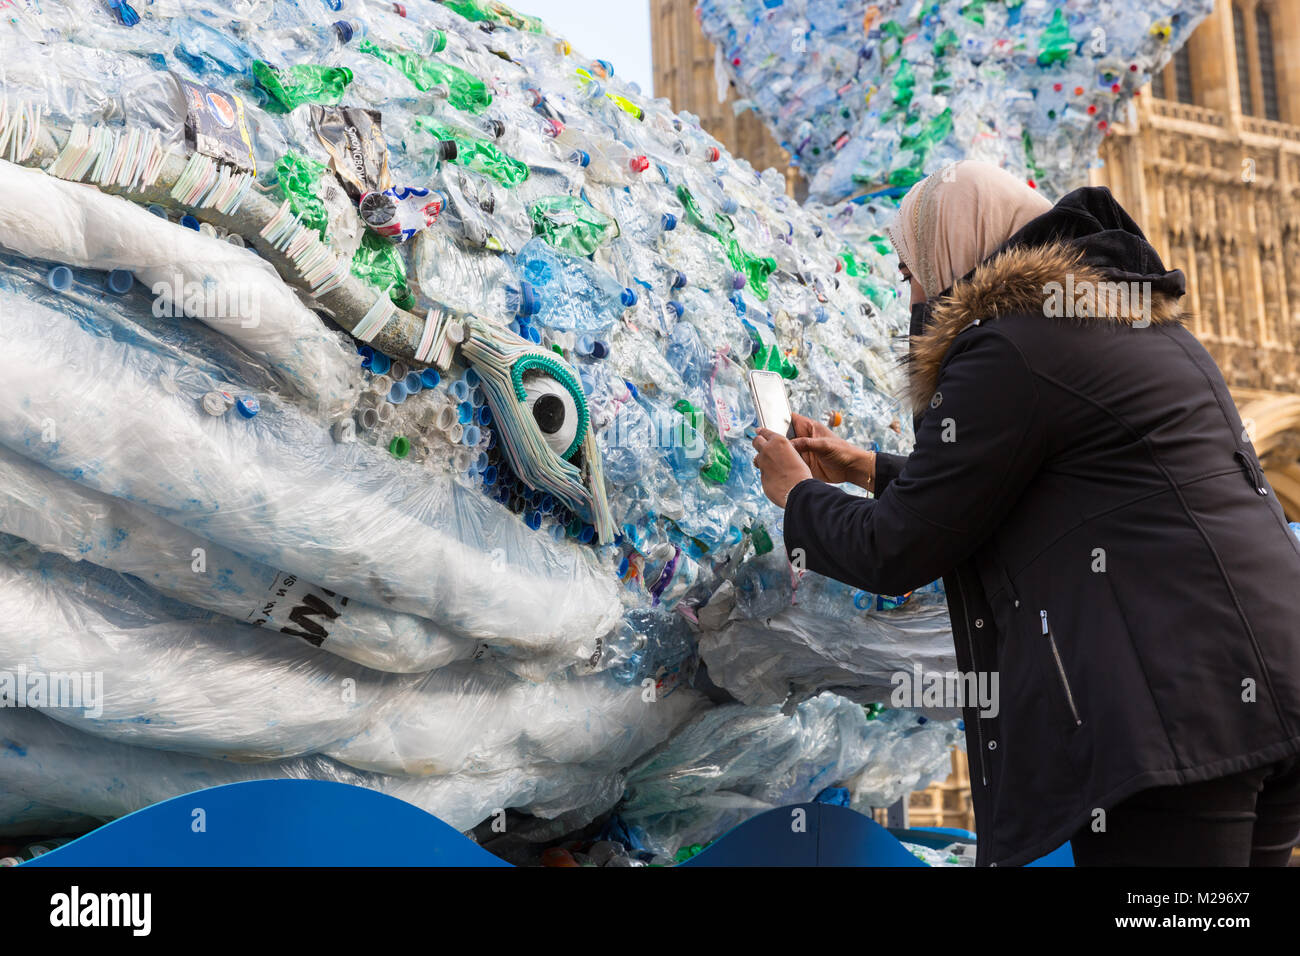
[573, 294]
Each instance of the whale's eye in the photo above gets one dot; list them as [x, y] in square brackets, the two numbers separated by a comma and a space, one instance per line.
[554, 411]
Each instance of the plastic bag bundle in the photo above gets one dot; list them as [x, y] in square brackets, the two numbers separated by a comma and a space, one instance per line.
[56, 765]
[874, 95]
[221, 690]
[734, 762]
[388, 363]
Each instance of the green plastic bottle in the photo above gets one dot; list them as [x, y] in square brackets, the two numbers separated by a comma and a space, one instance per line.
[465, 91]
[379, 262]
[479, 155]
[716, 461]
[568, 223]
[1055, 45]
[301, 83]
[297, 178]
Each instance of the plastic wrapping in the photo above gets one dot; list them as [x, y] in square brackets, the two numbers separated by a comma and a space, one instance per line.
[280, 490]
[20, 817]
[735, 762]
[61, 516]
[797, 653]
[219, 689]
[45, 218]
[56, 765]
[211, 687]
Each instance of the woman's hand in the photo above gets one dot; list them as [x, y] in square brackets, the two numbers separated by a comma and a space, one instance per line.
[830, 458]
[779, 464]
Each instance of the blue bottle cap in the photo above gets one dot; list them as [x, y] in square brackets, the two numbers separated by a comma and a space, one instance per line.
[628, 298]
[484, 415]
[464, 413]
[430, 378]
[677, 307]
[528, 304]
[471, 377]
[247, 405]
[534, 519]
[59, 278]
[344, 30]
[459, 390]
[679, 280]
[413, 383]
[189, 222]
[380, 363]
[581, 157]
[599, 350]
[534, 336]
[470, 436]
[365, 351]
[584, 344]
[490, 475]
[587, 533]
[158, 210]
[669, 221]
[397, 394]
[119, 281]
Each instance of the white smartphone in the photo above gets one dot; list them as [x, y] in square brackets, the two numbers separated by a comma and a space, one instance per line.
[771, 402]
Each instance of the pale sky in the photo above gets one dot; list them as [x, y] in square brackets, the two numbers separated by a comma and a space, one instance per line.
[614, 30]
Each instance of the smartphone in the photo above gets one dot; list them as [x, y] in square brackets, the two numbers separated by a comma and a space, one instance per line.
[772, 402]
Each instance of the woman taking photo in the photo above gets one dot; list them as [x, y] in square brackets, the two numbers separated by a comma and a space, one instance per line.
[1108, 542]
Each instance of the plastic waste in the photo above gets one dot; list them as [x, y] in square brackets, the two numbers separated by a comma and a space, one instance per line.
[871, 96]
[502, 464]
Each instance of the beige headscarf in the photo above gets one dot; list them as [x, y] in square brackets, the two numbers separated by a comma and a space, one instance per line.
[952, 220]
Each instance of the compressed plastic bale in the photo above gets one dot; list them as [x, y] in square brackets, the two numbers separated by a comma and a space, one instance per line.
[467, 718]
[913, 755]
[798, 653]
[278, 488]
[222, 689]
[225, 690]
[224, 286]
[734, 762]
[870, 94]
[59, 515]
[57, 765]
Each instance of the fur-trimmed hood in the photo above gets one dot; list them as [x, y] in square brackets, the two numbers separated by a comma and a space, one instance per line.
[1084, 260]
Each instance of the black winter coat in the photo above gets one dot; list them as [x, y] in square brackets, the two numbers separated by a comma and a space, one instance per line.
[1109, 544]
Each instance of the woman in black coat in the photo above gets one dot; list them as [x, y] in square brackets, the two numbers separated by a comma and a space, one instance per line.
[1110, 548]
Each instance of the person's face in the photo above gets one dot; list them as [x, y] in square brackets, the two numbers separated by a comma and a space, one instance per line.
[918, 294]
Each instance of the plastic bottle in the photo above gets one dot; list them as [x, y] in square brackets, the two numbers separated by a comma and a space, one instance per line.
[572, 293]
